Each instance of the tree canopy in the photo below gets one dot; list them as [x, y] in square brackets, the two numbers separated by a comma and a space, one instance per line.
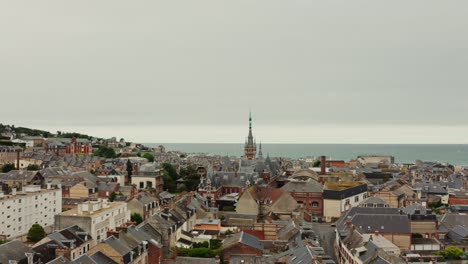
[149, 157]
[136, 217]
[451, 252]
[33, 167]
[106, 152]
[36, 233]
[129, 169]
[8, 167]
[170, 177]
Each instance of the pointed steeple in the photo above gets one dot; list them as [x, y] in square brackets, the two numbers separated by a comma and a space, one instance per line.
[260, 154]
[250, 147]
[250, 137]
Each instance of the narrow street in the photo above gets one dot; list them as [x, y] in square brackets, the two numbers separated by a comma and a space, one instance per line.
[326, 235]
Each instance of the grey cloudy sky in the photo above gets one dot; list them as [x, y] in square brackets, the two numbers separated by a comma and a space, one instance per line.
[188, 71]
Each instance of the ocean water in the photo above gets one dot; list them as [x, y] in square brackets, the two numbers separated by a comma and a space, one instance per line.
[403, 153]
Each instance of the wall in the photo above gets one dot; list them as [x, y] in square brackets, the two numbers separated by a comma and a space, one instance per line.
[20, 212]
[78, 191]
[424, 227]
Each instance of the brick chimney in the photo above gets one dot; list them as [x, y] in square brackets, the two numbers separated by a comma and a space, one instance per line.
[323, 165]
[135, 169]
[111, 232]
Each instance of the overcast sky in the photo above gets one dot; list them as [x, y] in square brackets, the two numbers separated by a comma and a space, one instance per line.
[188, 71]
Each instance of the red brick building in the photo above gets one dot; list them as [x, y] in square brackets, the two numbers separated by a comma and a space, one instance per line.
[308, 193]
[458, 198]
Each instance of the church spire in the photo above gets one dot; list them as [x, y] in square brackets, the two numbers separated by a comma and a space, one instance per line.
[250, 147]
[260, 154]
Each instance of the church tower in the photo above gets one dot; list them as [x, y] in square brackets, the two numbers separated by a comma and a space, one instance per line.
[250, 147]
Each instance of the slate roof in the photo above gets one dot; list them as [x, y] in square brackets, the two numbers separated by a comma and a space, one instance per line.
[243, 238]
[13, 250]
[100, 258]
[20, 175]
[190, 260]
[309, 185]
[60, 260]
[116, 244]
[450, 221]
[84, 259]
[416, 208]
[370, 223]
[71, 233]
[301, 254]
[459, 232]
[288, 231]
[373, 201]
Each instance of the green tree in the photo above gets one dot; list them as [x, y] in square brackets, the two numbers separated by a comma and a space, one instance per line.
[136, 217]
[129, 170]
[316, 164]
[170, 170]
[33, 167]
[170, 177]
[106, 152]
[451, 252]
[149, 157]
[191, 177]
[112, 196]
[36, 233]
[215, 243]
[8, 167]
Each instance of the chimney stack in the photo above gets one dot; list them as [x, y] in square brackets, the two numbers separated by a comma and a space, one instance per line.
[323, 165]
[18, 159]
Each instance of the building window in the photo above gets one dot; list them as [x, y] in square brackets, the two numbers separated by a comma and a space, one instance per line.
[347, 202]
[356, 199]
[315, 204]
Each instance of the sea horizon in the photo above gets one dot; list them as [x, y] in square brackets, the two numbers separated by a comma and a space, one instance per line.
[456, 154]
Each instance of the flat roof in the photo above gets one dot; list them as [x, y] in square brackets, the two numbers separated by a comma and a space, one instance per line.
[342, 185]
[22, 194]
[74, 211]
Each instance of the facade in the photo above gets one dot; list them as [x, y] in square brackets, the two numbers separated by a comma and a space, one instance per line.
[144, 205]
[149, 176]
[63, 146]
[422, 220]
[20, 210]
[339, 197]
[72, 242]
[308, 193]
[95, 217]
[9, 154]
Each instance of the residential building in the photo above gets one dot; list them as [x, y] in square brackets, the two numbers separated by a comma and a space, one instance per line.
[241, 243]
[95, 217]
[339, 197]
[143, 204]
[149, 176]
[308, 194]
[72, 242]
[9, 154]
[265, 200]
[33, 205]
[384, 221]
[16, 252]
[422, 220]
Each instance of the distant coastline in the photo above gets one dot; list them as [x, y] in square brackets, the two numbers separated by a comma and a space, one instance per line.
[456, 154]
